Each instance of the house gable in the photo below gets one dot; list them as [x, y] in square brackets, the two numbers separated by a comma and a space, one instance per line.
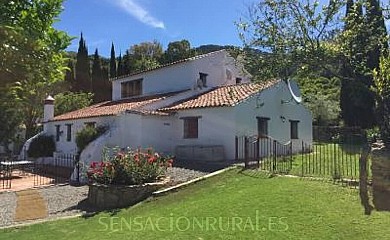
[218, 68]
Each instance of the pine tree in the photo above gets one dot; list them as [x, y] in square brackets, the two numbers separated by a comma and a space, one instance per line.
[69, 76]
[83, 79]
[113, 67]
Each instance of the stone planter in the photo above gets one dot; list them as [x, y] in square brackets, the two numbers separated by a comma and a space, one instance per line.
[118, 196]
[381, 177]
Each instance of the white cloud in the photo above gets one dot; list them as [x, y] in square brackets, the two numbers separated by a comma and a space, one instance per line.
[139, 13]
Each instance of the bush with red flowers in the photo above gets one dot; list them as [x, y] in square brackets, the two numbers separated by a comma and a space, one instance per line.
[129, 167]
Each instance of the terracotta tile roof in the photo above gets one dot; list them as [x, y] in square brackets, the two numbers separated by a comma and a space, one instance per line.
[217, 97]
[222, 96]
[169, 64]
[111, 108]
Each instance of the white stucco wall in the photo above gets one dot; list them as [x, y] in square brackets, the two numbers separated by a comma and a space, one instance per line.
[184, 75]
[215, 127]
[70, 146]
[158, 133]
[129, 131]
[268, 104]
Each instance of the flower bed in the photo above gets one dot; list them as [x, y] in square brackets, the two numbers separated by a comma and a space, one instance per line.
[126, 177]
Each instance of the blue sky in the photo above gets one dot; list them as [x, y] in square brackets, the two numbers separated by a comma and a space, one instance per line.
[128, 22]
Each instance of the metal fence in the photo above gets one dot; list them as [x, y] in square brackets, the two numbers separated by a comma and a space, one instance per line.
[24, 173]
[54, 171]
[264, 153]
[335, 153]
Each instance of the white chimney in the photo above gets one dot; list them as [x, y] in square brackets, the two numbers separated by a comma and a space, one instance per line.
[48, 109]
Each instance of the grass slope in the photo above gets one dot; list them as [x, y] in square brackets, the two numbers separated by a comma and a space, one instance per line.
[328, 160]
[233, 205]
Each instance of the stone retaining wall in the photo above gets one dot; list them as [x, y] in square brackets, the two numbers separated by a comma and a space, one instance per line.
[119, 196]
[381, 178]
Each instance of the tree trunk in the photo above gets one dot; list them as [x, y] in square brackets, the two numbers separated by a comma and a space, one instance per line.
[363, 191]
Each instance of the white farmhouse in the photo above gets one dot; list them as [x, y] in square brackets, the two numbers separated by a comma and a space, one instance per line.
[193, 109]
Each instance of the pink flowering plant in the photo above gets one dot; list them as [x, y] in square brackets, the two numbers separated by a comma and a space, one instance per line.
[129, 167]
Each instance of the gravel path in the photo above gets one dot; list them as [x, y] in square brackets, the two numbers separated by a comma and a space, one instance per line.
[7, 208]
[180, 175]
[69, 200]
[64, 200]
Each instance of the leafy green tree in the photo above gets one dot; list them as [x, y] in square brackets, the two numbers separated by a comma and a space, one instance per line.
[113, 67]
[83, 77]
[382, 90]
[178, 50]
[70, 101]
[143, 56]
[321, 96]
[152, 50]
[297, 36]
[291, 33]
[145, 63]
[127, 63]
[10, 118]
[32, 54]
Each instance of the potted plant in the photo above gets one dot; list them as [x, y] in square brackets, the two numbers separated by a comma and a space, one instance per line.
[126, 177]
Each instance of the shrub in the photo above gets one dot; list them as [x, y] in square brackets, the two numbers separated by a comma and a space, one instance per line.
[373, 134]
[42, 146]
[130, 167]
[87, 135]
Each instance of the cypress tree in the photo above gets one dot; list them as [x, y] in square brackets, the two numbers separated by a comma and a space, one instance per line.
[378, 33]
[349, 9]
[107, 85]
[83, 79]
[113, 67]
[99, 87]
[120, 70]
[357, 101]
[69, 75]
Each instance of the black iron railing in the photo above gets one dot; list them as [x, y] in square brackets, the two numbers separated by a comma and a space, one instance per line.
[264, 153]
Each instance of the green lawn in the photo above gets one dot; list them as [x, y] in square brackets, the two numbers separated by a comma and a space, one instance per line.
[328, 160]
[232, 205]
